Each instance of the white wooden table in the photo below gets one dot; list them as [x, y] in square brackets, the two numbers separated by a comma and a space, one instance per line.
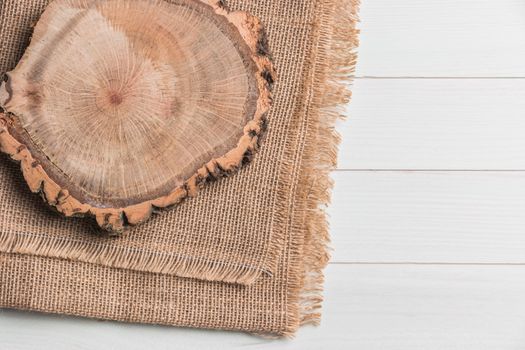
[428, 216]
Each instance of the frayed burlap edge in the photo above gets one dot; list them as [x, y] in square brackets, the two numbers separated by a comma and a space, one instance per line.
[130, 258]
[334, 61]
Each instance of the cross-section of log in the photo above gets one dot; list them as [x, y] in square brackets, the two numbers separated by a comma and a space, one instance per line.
[121, 107]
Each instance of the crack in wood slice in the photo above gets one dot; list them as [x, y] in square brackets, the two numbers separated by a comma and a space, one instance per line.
[119, 108]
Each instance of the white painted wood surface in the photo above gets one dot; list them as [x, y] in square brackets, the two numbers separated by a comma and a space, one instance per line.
[442, 38]
[435, 124]
[428, 216]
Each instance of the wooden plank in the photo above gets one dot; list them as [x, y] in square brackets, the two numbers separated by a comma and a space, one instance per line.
[435, 124]
[366, 307]
[442, 38]
[429, 217]
[433, 307]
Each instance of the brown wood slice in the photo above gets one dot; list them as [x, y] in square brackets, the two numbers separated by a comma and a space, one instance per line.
[119, 107]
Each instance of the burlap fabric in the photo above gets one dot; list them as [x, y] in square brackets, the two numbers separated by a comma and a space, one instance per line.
[248, 252]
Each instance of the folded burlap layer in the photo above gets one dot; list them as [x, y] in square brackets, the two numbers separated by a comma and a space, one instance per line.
[262, 230]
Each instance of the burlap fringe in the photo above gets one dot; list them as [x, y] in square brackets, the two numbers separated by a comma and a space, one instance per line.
[129, 258]
[334, 60]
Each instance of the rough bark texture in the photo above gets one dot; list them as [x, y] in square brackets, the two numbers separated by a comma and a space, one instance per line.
[119, 108]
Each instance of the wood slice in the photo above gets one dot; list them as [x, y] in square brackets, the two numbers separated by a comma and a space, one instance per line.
[120, 107]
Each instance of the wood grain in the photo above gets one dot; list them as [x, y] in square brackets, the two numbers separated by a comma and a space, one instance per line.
[120, 108]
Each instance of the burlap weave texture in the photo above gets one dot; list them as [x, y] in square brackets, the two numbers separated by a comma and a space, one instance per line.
[254, 244]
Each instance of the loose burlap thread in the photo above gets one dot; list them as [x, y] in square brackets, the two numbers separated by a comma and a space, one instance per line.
[247, 253]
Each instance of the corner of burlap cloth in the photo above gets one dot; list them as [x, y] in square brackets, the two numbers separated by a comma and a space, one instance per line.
[263, 230]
